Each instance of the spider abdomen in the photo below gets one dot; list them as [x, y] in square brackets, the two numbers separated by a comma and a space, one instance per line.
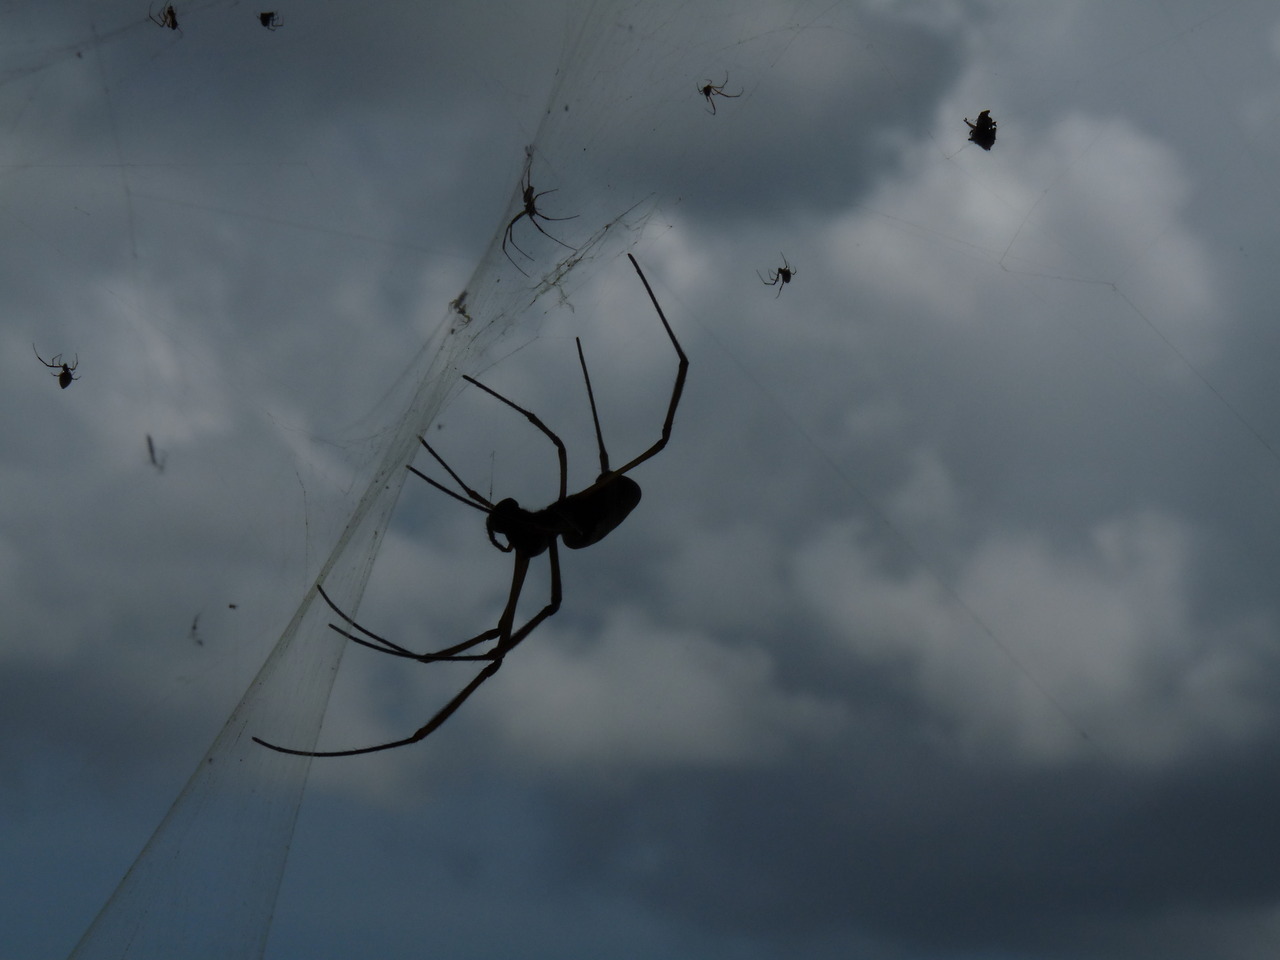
[588, 517]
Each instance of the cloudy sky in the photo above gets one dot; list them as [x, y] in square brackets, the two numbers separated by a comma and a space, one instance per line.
[947, 627]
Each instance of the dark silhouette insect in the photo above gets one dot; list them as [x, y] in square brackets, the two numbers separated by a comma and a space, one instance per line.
[780, 277]
[983, 132]
[531, 211]
[65, 371]
[710, 90]
[167, 18]
[576, 519]
[271, 20]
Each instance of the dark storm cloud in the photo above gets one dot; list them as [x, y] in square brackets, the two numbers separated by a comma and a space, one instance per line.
[946, 624]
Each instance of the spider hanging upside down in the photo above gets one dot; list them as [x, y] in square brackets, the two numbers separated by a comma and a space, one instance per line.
[578, 519]
[983, 133]
[780, 277]
[530, 200]
[67, 374]
[167, 17]
[710, 90]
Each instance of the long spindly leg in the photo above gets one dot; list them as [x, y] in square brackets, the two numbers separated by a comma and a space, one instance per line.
[591, 397]
[477, 501]
[375, 642]
[504, 646]
[675, 390]
[532, 418]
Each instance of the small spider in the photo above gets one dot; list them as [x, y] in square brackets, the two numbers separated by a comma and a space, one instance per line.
[983, 133]
[167, 18]
[780, 277]
[66, 372]
[710, 90]
[271, 20]
[530, 200]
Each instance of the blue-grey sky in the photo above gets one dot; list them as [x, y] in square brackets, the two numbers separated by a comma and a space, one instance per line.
[947, 626]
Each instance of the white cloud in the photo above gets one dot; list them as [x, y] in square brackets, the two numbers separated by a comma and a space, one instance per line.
[1099, 641]
[642, 696]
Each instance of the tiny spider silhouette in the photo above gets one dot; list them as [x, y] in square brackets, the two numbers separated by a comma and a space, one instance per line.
[983, 132]
[576, 519]
[779, 278]
[530, 200]
[167, 18]
[710, 90]
[65, 372]
[271, 20]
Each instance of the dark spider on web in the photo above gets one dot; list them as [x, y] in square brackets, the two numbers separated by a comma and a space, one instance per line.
[66, 374]
[577, 519]
[530, 200]
[167, 18]
[271, 20]
[710, 90]
[983, 132]
[780, 277]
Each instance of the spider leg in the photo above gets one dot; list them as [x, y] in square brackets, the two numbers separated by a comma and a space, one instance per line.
[676, 390]
[448, 710]
[604, 455]
[383, 645]
[477, 501]
[547, 235]
[509, 237]
[532, 418]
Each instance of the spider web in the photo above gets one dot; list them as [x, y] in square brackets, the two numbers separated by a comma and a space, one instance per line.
[206, 881]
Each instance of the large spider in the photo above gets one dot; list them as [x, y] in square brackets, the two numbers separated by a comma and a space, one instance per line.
[66, 374]
[168, 18]
[271, 20]
[578, 519]
[710, 90]
[530, 200]
[983, 133]
[779, 278]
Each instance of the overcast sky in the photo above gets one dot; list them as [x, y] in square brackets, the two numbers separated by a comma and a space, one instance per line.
[948, 624]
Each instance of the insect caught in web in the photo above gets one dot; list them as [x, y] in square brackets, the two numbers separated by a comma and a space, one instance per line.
[779, 278]
[983, 132]
[710, 90]
[575, 519]
[167, 18]
[65, 371]
[531, 211]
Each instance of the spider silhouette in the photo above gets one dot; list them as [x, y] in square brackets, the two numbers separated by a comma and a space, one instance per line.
[710, 90]
[168, 18]
[66, 374]
[983, 132]
[530, 200]
[780, 277]
[576, 519]
[271, 20]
